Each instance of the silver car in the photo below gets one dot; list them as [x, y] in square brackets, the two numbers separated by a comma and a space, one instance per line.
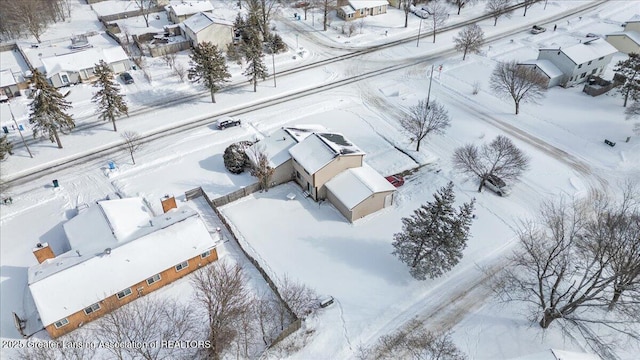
[497, 185]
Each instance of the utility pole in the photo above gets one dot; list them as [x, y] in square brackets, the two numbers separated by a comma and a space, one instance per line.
[419, 30]
[273, 58]
[430, 81]
[19, 131]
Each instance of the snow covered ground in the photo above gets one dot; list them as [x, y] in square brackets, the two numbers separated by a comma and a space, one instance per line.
[312, 242]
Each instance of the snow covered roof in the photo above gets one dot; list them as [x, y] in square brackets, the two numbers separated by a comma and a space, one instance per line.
[546, 67]
[589, 50]
[192, 7]
[632, 35]
[70, 282]
[276, 146]
[347, 10]
[634, 18]
[553, 354]
[6, 78]
[363, 4]
[200, 21]
[81, 60]
[317, 150]
[355, 185]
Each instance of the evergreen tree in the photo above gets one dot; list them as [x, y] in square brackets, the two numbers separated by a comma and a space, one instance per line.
[209, 67]
[255, 65]
[432, 240]
[48, 108]
[630, 70]
[110, 102]
[5, 147]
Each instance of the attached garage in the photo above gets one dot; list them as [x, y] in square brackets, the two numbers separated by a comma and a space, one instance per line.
[358, 192]
[626, 42]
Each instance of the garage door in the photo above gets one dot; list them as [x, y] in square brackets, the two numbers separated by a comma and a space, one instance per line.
[119, 67]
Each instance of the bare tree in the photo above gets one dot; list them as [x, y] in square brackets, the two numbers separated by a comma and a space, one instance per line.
[499, 158]
[461, 3]
[221, 291]
[132, 142]
[146, 321]
[181, 71]
[424, 119]
[406, 7]
[43, 349]
[262, 11]
[327, 7]
[260, 166]
[527, 4]
[170, 59]
[498, 9]
[469, 40]
[520, 83]
[632, 112]
[26, 15]
[145, 7]
[301, 299]
[439, 13]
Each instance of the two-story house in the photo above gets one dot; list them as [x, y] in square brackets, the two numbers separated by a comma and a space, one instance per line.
[204, 27]
[118, 252]
[178, 13]
[573, 64]
[355, 9]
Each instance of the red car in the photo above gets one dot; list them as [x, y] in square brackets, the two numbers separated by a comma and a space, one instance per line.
[395, 180]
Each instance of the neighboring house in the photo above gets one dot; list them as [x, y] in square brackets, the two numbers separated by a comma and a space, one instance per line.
[316, 158]
[178, 13]
[8, 85]
[355, 9]
[576, 62]
[203, 27]
[358, 192]
[119, 252]
[627, 41]
[75, 67]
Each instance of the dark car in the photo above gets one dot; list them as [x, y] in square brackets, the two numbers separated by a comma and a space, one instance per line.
[395, 180]
[536, 29]
[497, 185]
[227, 122]
[127, 78]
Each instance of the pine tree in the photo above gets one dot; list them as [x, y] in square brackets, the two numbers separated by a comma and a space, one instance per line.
[5, 147]
[48, 110]
[209, 67]
[432, 240]
[255, 65]
[110, 102]
[630, 70]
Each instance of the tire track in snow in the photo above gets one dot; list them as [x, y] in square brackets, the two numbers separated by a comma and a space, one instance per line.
[344, 325]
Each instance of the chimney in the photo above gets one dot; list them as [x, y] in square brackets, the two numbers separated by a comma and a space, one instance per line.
[168, 203]
[43, 252]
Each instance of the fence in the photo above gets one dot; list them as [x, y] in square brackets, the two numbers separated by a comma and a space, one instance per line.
[597, 86]
[197, 192]
[127, 14]
[170, 48]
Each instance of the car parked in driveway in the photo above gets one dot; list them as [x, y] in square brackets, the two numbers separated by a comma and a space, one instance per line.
[127, 78]
[536, 29]
[497, 185]
[395, 180]
[227, 122]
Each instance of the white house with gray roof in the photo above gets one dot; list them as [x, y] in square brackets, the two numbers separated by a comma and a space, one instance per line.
[204, 27]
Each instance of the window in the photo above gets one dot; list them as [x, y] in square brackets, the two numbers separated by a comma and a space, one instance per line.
[155, 278]
[579, 66]
[601, 58]
[594, 71]
[205, 254]
[60, 323]
[93, 308]
[298, 174]
[65, 79]
[589, 63]
[361, 11]
[124, 293]
[182, 265]
[583, 75]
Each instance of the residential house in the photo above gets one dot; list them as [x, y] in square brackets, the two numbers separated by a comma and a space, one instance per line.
[78, 66]
[355, 9]
[118, 252]
[203, 27]
[8, 85]
[576, 62]
[627, 41]
[14, 73]
[178, 13]
[327, 166]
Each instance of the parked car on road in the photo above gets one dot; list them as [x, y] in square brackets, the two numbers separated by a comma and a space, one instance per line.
[536, 29]
[127, 78]
[227, 122]
[497, 185]
[421, 13]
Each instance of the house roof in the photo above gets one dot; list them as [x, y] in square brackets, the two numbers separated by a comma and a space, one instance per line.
[634, 18]
[355, 185]
[546, 66]
[589, 50]
[202, 20]
[363, 4]
[632, 35]
[70, 282]
[6, 78]
[191, 7]
[80, 60]
[277, 145]
[347, 9]
[317, 150]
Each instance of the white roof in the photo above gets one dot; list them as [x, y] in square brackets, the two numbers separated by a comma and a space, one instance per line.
[174, 237]
[634, 18]
[191, 7]
[201, 20]
[362, 4]
[546, 66]
[355, 185]
[317, 150]
[347, 10]
[589, 50]
[80, 60]
[6, 78]
[633, 35]
[276, 146]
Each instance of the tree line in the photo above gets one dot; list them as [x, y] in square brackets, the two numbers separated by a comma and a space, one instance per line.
[32, 17]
